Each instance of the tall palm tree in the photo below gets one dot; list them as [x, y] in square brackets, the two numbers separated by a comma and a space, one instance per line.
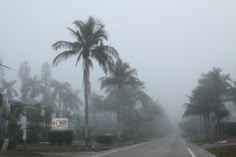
[59, 90]
[123, 82]
[89, 44]
[7, 88]
[32, 89]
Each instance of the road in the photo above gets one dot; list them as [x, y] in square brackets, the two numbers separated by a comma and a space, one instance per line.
[171, 146]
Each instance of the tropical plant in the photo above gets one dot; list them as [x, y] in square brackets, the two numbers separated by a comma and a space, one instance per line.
[89, 44]
[209, 97]
[7, 88]
[46, 74]
[219, 114]
[121, 76]
[24, 72]
[71, 100]
[122, 84]
[32, 89]
[59, 90]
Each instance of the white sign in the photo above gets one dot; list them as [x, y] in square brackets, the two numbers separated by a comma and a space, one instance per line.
[60, 124]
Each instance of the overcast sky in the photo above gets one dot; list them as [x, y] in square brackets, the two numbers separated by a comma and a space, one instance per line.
[170, 43]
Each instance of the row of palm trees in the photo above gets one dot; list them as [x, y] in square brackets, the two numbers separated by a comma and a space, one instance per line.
[125, 91]
[209, 98]
[34, 91]
[121, 82]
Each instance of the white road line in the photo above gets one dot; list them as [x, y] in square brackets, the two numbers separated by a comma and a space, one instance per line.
[121, 149]
[190, 151]
[105, 153]
[183, 141]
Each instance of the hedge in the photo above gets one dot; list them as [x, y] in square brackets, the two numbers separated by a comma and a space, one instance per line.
[60, 137]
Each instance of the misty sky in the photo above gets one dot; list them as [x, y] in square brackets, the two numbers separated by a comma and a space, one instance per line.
[170, 43]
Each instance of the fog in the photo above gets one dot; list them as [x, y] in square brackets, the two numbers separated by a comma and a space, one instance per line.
[170, 43]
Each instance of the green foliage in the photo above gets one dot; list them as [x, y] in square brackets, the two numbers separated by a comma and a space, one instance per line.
[121, 76]
[32, 89]
[60, 137]
[209, 98]
[7, 88]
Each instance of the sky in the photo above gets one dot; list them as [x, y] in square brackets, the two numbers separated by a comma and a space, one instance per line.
[170, 42]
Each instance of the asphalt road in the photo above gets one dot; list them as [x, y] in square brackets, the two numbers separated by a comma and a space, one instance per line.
[171, 146]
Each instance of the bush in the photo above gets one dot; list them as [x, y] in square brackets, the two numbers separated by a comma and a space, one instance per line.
[105, 139]
[60, 137]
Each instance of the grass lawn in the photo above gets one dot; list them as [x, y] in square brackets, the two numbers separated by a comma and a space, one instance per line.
[20, 154]
[226, 151]
[34, 149]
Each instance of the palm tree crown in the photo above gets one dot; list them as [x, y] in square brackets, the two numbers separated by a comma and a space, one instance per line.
[7, 87]
[32, 88]
[121, 76]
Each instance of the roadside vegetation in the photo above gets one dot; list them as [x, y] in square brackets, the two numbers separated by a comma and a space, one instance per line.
[225, 151]
[208, 107]
[124, 114]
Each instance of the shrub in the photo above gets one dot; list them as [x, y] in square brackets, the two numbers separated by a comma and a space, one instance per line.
[105, 139]
[60, 137]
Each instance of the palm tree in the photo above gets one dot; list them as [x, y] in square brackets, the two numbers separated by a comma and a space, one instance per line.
[123, 82]
[7, 88]
[121, 76]
[219, 114]
[209, 96]
[89, 44]
[71, 100]
[59, 90]
[32, 89]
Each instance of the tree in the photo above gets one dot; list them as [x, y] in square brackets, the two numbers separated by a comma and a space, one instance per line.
[122, 83]
[24, 72]
[71, 100]
[59, 90]
[96, 103]
[90, 36]
[46, 74]
[24, 75]
[46, 78]
[32, 89]
[220, 113]
[121, 76]
[7, 88]
[209, 97]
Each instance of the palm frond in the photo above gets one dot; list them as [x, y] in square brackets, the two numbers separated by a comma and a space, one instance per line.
[63, 45]
[78, 36]
[5, 66]
[63, 56]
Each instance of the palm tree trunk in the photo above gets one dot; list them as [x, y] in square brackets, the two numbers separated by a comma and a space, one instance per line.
[205, 122]
[60, 115]
[86, 94]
